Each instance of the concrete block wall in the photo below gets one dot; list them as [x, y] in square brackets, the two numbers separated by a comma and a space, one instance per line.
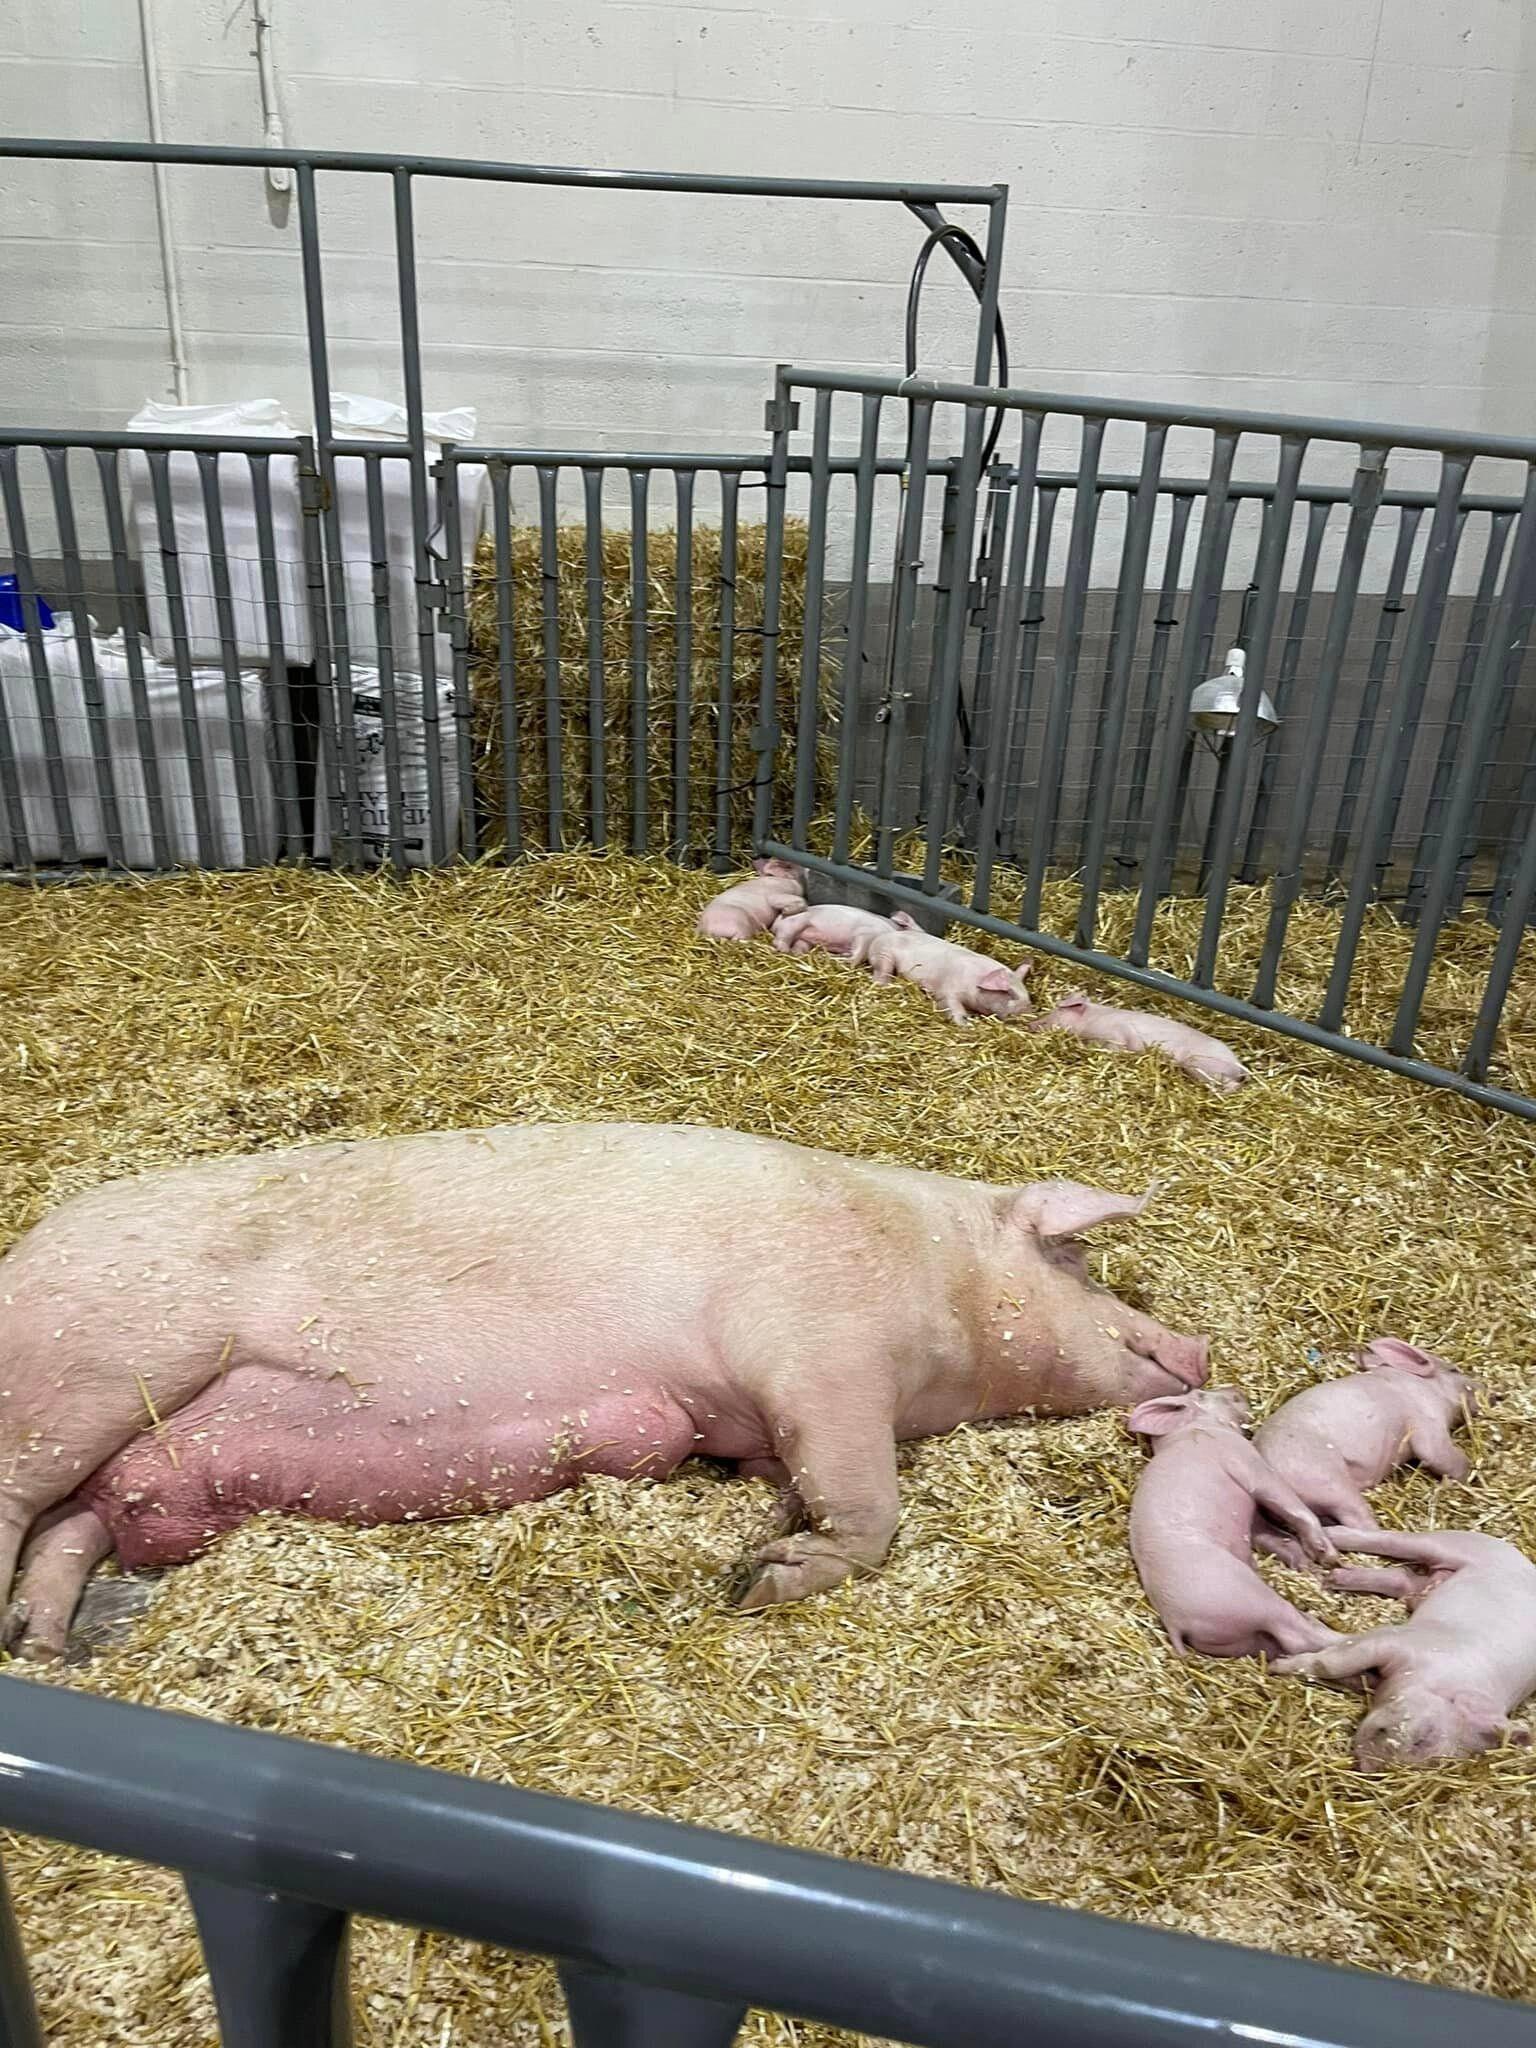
[1320, 205]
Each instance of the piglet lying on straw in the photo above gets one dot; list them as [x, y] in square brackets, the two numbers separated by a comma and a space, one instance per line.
[963, 984]
[835, 928]
[1334, 1440]
[1139, 1031]
[748, 908]
[1443, 1683]
[1191, 1530]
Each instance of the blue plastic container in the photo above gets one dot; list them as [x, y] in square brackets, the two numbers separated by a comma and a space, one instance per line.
[10, 607]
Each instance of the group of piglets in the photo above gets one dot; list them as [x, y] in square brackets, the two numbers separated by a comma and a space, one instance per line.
[1444, 1682]
[963, 983]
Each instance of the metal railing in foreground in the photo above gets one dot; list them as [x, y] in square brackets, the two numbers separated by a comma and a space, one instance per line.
[665, 1935]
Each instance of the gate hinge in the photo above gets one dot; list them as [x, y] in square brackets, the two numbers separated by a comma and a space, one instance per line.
[781, 415]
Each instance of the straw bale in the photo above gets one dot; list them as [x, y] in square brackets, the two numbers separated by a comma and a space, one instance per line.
[525, 606]
[998, 1705]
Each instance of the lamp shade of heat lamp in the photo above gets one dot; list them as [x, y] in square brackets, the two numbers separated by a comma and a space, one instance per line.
[1213, 706]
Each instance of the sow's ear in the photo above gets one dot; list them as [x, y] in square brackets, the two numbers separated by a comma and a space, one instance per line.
[1389, 1351]
[1063, 1208]
[1156, 1418]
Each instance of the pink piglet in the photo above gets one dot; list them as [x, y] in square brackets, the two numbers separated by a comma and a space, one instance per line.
[830, 928]
[963, 984]
[748, 908]
[1140, 1031]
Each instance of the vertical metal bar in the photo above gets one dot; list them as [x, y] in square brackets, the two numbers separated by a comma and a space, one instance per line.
[1486, 692]
[1499, 525]
[1124, 635]
[1392, 606]
[614, 2012]
[229, 657]
[892, 713]
[597, 705]
[334, 642]
[1029, 649]
[1210, 611]
[37, 653]
[984, 600]
[682, 712]
[1069, 638]
[943, 596]
[186, 687]
[161, 854]
[1518, 907]
[549, 585]
[1516, 645]
[725, 773]
[1002, 702]
[850, 689]
[1229, 804]
[1402, 722]
[426, 581]
[807, 720]
[765, 740]
[506, 656]
[991, 285]
[278, 1967]
[57, 460]
[1167, 783]
[1097, 710]
[946, 709]
[458, 647]
[1318, 515]
[279, 702]
[639, 661]
[19, 2024]
[336, 783]
[1163, 624]
[384, 654]
[1364, 504]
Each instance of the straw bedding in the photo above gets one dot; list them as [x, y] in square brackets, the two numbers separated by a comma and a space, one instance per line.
[998, 1705]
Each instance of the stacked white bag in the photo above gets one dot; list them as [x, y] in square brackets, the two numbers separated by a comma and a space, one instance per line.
[242, 836]
[353, 418]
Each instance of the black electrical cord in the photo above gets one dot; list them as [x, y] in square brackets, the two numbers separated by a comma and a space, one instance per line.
[958, 241]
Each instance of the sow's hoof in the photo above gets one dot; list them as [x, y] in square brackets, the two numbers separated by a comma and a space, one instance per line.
[107, 1610]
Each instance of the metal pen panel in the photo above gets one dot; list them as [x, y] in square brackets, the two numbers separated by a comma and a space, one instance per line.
[682, 701]
[1125, 634]
[609, 2011]
[278, 696]
[1069, 635]
[161, 851]
[427, 593]
[1167, 780]
[1319, 512]
[725, 770]
[549, 627]
[181, 658]
[37, 656]
[458, 648]
[639, 662]
[278, 1967]
[1402, 723]
[1392, 609]
[337, 685]
[384, 638]
[1514, 658]
[1002, 706]
[1365, 502]
[1485, 693]
[892, 712]
[1223, 844]
[92, 695]
[229, 654]
[1164, 621]
[808, 706]
[1518, 907]
[597, 702]
[506, 657]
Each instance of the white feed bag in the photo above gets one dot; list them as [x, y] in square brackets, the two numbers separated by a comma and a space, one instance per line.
[125, 744]
[370, 753]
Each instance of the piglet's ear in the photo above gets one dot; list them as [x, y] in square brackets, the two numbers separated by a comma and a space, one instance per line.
[1063, 1208]
[903, 920]
[1390, 1351]
[999, 981]
[1156, 1418]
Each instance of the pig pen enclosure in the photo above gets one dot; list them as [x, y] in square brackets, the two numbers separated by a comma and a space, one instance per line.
[354, 787]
